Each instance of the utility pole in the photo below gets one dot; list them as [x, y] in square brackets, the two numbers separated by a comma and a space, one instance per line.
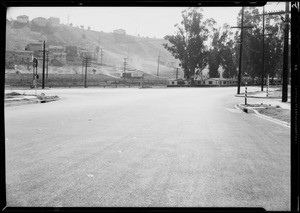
[263, 52]
[158, 63]
[125, 63]
[241, 49]
[285, 71]
[86, 62]
[47, 65]
[101, 54]
[43, 80]
[177, 73]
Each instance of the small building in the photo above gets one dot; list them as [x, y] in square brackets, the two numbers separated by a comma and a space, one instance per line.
[37, 49]
[56, 49]
[22, 19]
[53, 21]
[61, 57]
[34, 47]
[175, 82]
[119, 32]
[40, 21]
[84, 54]
[217, 81]
[71, 52]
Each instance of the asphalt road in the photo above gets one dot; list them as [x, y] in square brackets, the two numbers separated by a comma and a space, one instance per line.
[174, 147]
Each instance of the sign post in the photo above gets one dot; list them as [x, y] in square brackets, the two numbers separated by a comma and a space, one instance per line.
[268, 82]
[246, 79]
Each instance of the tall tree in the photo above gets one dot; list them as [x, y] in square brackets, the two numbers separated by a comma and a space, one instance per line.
[188, 44]
[222, 53]
[252, 54]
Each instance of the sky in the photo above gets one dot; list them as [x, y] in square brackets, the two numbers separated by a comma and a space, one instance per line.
[144, 21]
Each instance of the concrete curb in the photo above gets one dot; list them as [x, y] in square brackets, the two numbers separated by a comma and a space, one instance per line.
[16, 102]
[256, 113]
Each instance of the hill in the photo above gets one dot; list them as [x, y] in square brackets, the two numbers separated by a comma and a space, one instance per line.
[142, 53]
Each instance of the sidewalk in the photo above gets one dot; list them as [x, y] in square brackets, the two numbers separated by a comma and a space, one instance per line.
[260, 97]
[270, 108]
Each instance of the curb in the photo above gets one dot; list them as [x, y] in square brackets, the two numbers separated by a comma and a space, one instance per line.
[256, 113]
[251, 96]
[27, 101]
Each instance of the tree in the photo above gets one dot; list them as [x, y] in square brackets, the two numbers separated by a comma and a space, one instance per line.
[252, 44]
[188, 44]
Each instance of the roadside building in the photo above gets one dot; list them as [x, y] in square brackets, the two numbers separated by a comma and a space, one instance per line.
[71, 52]
[37, 49]
[56, 49]
[84, 54]
[18, 57]
[61, 57]
[175, 82]
[22, 19]
[40, 21]
[220, 81]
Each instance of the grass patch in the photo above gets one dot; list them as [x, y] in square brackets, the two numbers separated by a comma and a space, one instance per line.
[277, 113]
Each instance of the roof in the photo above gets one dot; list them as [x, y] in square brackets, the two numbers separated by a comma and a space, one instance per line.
[20, 51]
[22, 16]
[179, 79]
[59, 47]
[222, 79]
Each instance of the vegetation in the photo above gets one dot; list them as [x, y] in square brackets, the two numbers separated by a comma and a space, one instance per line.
[188, 45]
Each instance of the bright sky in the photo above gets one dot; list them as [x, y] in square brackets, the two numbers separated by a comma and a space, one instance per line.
[146, 21]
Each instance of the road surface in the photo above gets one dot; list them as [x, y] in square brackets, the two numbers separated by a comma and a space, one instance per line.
[174, 147]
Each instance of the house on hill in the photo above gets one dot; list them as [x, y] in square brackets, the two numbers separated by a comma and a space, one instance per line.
[53, 21]
[40, 21]
[22, 19]
[119, 32]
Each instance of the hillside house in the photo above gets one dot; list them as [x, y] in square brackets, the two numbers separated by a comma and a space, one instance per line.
[17, 57]
[119, 32]
[22, 19]
[53, 21]
[40, 21]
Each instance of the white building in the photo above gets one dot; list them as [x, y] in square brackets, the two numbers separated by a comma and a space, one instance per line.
[22, 19]
[120, 32]
[40, 21]
[53, 21]
[220, 81]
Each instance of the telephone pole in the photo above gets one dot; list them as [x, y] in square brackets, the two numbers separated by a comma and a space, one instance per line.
[241, 49]
[158, 63]
[101, 55]
[285, 55]
[125, 63]
[43, 80]
[263, 52]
